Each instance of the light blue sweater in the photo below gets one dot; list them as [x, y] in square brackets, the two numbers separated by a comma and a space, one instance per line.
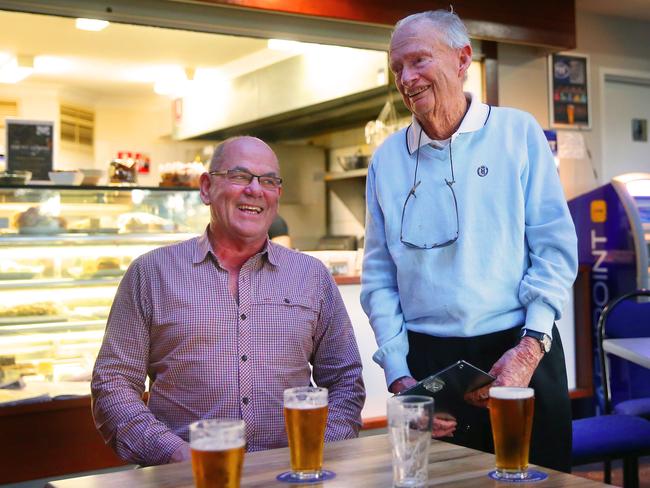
[515, 259]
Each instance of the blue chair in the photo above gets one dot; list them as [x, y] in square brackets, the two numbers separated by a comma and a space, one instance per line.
[604, 438]
[620, 435]
[626, 386]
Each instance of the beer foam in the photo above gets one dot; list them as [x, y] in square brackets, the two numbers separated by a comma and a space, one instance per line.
[511, 393]
[214, 444]
[305, 405]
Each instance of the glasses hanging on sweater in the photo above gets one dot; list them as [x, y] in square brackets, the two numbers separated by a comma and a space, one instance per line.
[430, 212]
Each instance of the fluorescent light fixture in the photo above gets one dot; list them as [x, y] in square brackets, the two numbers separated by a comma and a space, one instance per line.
[94, 25]
[16, 69]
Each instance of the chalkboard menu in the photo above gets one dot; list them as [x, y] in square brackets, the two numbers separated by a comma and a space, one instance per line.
[30, 146]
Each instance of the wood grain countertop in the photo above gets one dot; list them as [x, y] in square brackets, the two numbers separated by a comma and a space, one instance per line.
[362, 462]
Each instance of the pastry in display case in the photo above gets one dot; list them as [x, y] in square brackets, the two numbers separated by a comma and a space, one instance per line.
[63, 251]
[35, 221]
[181, 174]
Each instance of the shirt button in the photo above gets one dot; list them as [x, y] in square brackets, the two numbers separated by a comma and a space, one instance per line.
[245, 400]
[244, 358]
[286, 300]
[243, 316]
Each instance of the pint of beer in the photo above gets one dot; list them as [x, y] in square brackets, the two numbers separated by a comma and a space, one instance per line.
[305, 416]
[217, 452]
[511, 415]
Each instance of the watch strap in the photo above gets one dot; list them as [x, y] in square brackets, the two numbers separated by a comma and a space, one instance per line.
[544, 340]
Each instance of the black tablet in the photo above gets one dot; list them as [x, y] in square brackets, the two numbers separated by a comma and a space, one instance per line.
[448, 386]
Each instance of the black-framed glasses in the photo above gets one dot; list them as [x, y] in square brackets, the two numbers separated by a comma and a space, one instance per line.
[241, 177]
[422, 244]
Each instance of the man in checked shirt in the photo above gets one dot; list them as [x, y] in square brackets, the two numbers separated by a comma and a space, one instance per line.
[222, 324]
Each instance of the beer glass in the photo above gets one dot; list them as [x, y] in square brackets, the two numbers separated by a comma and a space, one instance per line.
[305, 416]
[410, 420]
[511, 415]
[217, 452]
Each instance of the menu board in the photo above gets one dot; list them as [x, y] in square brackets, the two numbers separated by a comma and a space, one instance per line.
[30, 146]
[569, 97]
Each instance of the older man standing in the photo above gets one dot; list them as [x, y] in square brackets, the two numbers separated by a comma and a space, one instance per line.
[470, 249]
[222, 324]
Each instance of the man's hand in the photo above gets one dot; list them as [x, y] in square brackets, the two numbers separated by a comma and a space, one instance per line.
[514, 368]
[444, 425]
[183, 453]
[401, 384]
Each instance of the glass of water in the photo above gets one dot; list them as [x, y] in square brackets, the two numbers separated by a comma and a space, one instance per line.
[410, 420]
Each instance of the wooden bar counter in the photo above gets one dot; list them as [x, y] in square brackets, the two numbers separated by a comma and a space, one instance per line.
[363, 462]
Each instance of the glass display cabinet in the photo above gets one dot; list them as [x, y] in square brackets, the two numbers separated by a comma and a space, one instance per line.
[63, 251]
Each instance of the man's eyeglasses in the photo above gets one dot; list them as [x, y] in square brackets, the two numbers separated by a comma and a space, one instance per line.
[242, 177]
[422, 244]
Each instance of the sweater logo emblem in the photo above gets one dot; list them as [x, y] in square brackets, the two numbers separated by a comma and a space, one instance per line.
[482, 171]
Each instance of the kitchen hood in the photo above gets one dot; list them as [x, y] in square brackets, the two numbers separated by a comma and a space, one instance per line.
[303, 95]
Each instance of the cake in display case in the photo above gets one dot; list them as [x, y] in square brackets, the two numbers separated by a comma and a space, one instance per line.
[63, 251]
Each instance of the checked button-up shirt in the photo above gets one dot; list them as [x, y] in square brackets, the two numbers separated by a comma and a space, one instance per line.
[208, 355]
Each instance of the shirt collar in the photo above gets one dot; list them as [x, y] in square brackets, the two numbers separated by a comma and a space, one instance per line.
[475, 118]
[203, 247]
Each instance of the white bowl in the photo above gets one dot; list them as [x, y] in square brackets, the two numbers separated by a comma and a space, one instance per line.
[66, 177]
[91, 177]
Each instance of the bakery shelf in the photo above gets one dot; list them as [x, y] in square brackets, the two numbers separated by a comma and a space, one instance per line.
[67, 279]
[79, 239]
[50, 327]
[58, 283]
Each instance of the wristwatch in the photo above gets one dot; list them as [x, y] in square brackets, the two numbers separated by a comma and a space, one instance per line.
[544, 340]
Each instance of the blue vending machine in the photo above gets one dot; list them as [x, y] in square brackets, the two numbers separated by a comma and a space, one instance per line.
[613, 227]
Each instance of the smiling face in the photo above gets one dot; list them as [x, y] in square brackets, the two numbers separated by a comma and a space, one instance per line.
[428, 73]
[240, 216]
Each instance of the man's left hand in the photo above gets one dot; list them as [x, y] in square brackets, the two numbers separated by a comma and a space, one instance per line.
[514, 368]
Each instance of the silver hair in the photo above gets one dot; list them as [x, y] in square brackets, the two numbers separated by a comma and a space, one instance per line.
[452, 30]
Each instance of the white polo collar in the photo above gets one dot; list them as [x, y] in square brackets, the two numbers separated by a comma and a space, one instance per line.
[475, 118]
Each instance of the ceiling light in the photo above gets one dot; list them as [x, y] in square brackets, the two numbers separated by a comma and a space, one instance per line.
[94, 25]
[16, 69]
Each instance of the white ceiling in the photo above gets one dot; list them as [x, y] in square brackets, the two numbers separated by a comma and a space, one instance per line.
[120, 59]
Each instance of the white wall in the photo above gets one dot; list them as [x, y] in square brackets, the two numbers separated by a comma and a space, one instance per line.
[144, 127]
[121, 124]
[612, 44]
[302, 203]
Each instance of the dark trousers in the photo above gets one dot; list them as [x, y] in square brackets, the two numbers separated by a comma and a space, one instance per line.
[551, 437]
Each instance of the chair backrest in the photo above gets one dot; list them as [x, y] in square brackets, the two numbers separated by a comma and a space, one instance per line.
[626, 316]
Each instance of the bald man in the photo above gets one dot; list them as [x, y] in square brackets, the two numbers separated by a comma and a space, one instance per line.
[222, 324]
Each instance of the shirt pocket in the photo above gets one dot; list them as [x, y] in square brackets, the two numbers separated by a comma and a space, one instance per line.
[285, 327]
